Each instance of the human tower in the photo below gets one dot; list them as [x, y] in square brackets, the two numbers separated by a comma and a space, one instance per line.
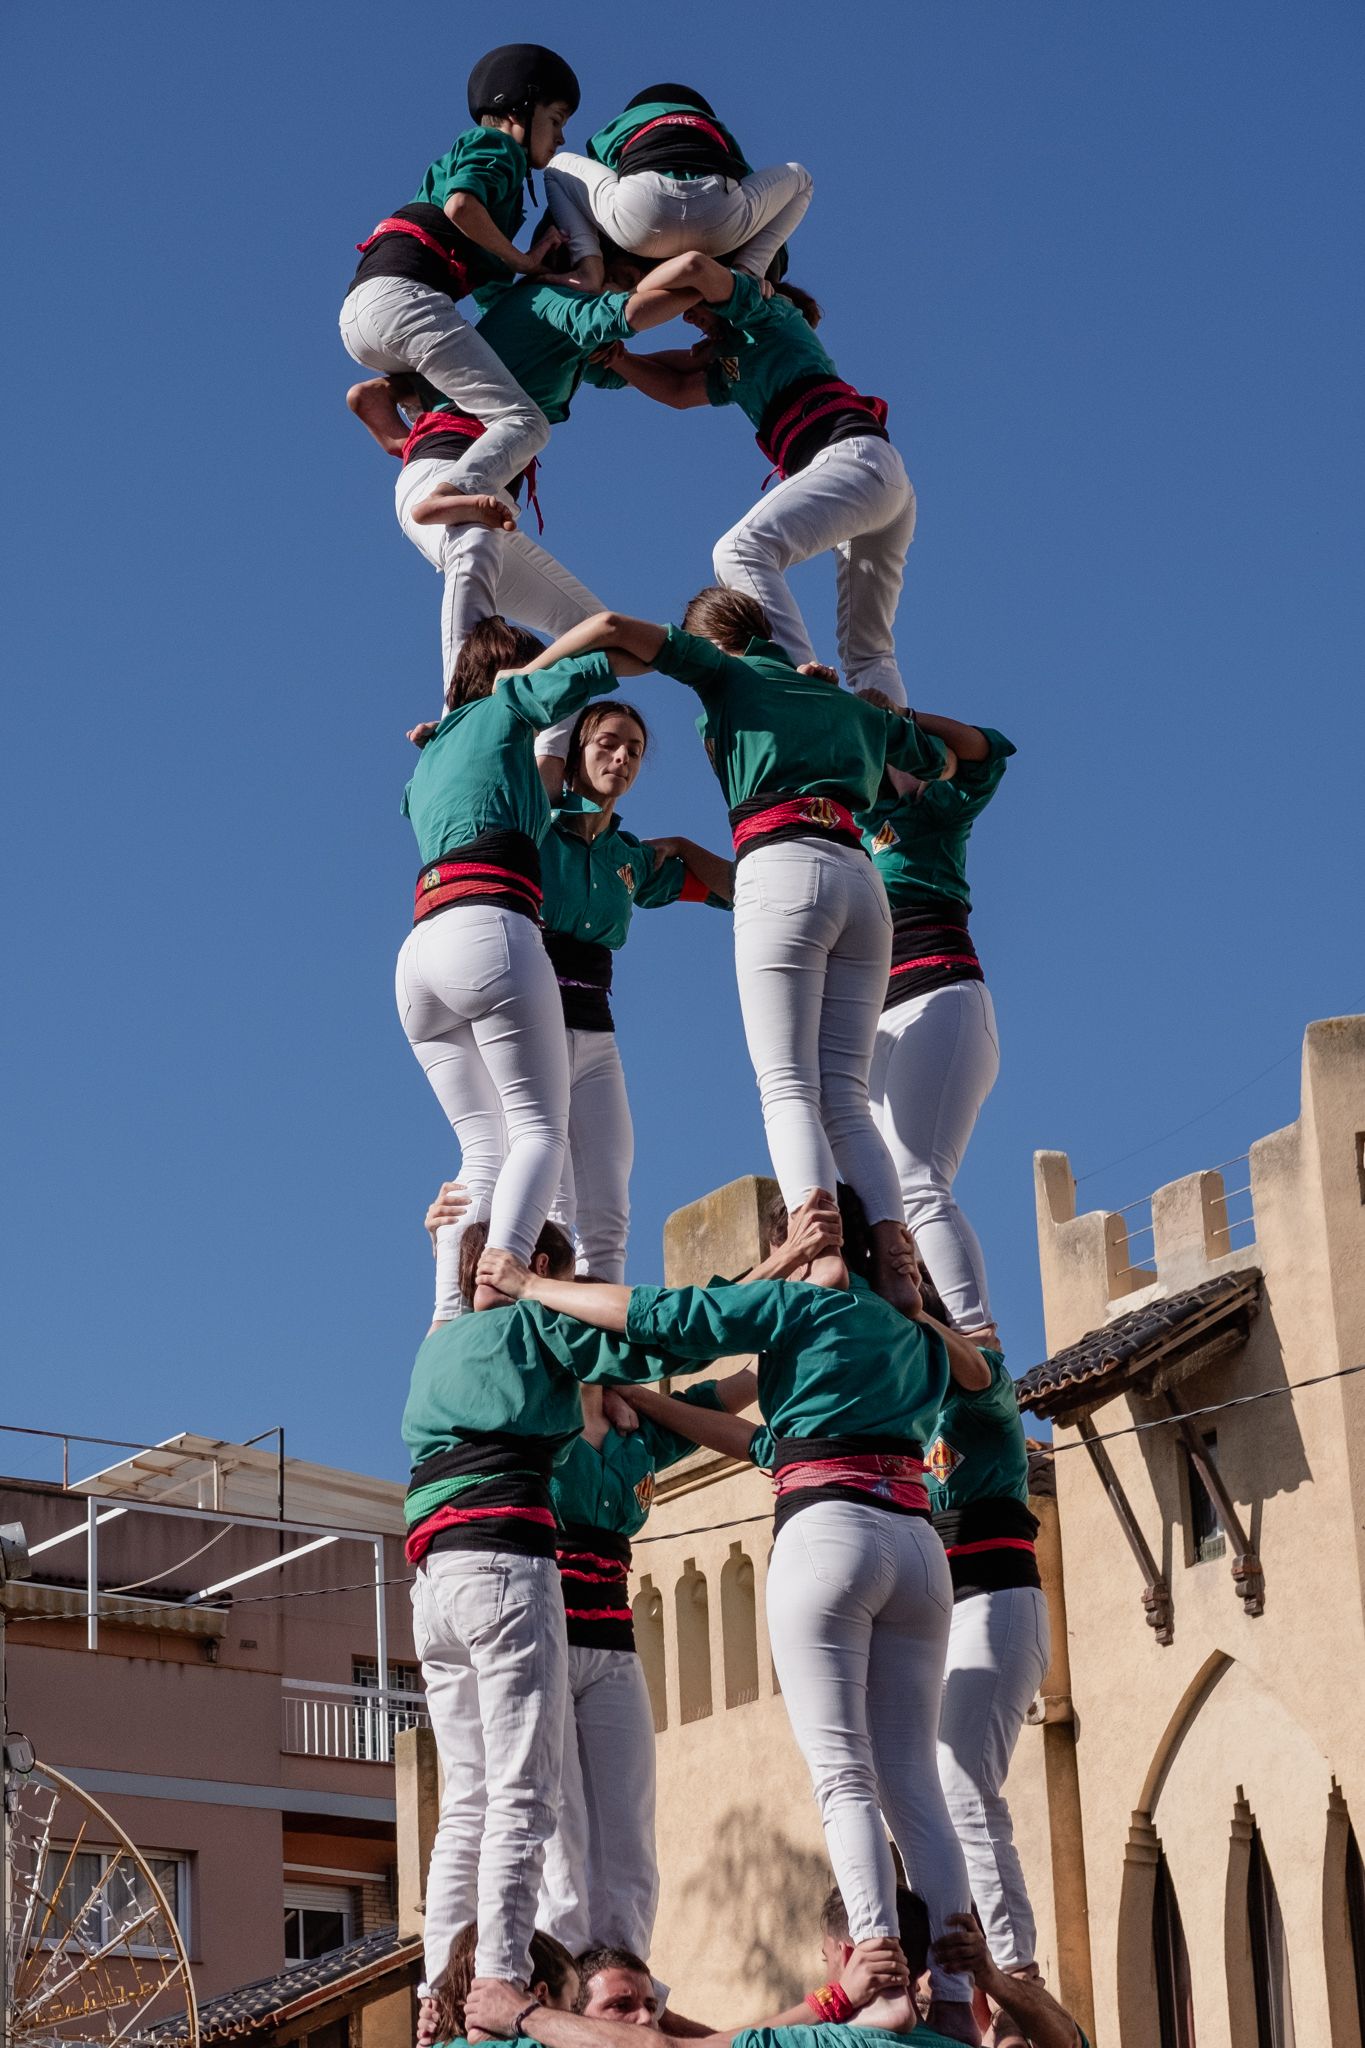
[903, 1604]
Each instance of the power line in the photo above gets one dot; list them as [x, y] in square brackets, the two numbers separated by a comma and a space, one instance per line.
[738, 1521]
[1189, 1122]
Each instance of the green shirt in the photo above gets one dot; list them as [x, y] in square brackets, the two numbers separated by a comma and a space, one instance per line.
[772, 732]
[593, 885]
[611, 1485]
[978, 1444]
[545, 335]
[515, 1372]
[832, 1361]
[767, 345]
[606, 146]
[919, 843]
[478, 773]
[489, 165]
[830, 2035]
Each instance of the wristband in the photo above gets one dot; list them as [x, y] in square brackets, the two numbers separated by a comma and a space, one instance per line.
[523, 2016]
[831, 2002]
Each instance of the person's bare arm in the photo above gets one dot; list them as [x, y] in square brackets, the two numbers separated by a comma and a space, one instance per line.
[679, 384]
[598, 1302]
[705, 1426]
[968, 742]
[1036, 2011]
[712, 870]
[472, 218]
[965, 1362]
[624, 639]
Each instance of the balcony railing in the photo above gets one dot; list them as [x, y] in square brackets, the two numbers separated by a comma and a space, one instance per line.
[356, 1723]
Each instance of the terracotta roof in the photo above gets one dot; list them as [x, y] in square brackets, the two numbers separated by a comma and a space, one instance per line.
[1127, 1352]
[274, 2002]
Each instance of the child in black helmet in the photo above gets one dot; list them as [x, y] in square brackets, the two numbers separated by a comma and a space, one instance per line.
[456, 237]
[666, 176]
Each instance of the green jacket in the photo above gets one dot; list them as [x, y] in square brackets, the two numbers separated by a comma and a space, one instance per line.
[611, 1486]
[767, 346]
[978, 1452]
[592, 886]
[493, 168]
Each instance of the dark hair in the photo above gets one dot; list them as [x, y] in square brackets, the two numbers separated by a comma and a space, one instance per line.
[811, 311]
[594, 1960]
[912, 1922]
[586, 724]
[551, 1965]
[857, 1233]
[729, 617]
[491, 644]
[552, 1242]
[933, 1301]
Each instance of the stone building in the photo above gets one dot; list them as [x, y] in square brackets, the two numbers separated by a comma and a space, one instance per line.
[1187, 1796]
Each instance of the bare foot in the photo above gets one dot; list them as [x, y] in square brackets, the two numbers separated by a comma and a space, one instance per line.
[955, 2018]
[890, 2015]
[490, 1297]
[374, 406]
[452, 508]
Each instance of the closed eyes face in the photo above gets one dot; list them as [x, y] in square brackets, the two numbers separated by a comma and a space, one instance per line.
[611, 758]
[622, 1995]
[705, 319]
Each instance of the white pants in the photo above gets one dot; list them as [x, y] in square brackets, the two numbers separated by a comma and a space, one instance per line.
[856, 499]
[812, 953]
[934, 1064]
[480, 1005]
[593, 1203]
[392, 323]
[656, 216]
[489, 1629]
[484, 571]
[998, 1652]
[859, 1603]
[601, 1883]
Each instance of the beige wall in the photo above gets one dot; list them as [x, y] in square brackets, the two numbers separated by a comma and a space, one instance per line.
[1240, 1717]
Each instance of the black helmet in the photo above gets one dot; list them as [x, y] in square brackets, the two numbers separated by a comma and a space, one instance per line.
[517, 77]
[688, 96]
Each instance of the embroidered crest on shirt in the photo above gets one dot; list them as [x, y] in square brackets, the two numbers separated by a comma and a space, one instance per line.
[627, 875]
[820, 811]
[644, 1493]
[942, 1460]
[729, 368]
[886, 839]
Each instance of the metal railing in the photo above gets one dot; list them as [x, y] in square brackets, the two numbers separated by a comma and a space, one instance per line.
[355, 1723]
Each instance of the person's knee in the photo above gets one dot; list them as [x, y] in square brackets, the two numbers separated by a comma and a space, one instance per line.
[537, 427]
[742, 550]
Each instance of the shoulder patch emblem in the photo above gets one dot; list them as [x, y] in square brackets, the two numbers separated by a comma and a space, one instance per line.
[729, 368]
[627, 875]
[886, 839]
[942, 1460]
[644, 1493]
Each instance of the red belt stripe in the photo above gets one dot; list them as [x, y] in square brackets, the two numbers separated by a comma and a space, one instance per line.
[936, 960]
[990, 1543]
[821, 811]
[800, 414]
[459, 275]
[676, 121]
[456, 879]
[419, 1539]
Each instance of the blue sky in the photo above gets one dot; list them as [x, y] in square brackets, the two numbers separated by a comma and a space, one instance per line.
[1103, 261]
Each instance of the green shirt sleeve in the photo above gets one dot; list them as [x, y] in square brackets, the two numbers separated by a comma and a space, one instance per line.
[746, 306]
[656, 886]
[587, 319]
[907, 747]
[603, 378]
[550, 694]
[706, 1323]
[974, 784]
[763, 1448]
[488, 165]
[594, 1355]
[699, 663]
[664, 1445]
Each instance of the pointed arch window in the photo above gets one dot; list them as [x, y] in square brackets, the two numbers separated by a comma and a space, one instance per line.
[1175, 2002]
[1269, 1952]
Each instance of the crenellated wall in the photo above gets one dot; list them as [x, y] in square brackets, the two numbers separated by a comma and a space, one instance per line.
[1242, 1720]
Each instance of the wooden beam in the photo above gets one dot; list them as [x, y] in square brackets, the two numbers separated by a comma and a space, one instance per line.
[1156, 1594]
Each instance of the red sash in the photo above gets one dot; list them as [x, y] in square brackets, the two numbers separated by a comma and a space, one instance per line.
[446, 881]
[879, 1474]
[468, 428]
[821, 811]
[459, 276]
[678, 121]
[835, 396]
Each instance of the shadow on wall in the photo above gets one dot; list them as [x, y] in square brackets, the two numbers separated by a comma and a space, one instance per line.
[756, 1877]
